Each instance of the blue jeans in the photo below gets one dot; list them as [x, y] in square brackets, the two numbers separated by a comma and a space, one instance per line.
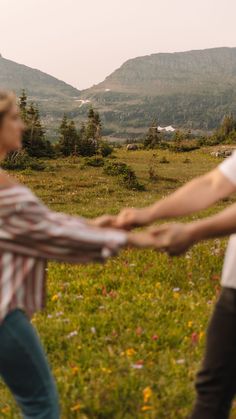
[25, 370]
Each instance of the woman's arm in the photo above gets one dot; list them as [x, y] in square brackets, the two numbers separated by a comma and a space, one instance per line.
[30, 228]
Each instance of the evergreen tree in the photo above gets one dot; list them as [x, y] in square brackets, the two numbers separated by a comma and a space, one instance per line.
[68, 143]
[34, 141]
[153, 137]
[94, 125]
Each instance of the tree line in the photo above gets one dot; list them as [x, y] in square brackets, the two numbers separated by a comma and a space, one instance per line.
[186, 141]
[85, 141]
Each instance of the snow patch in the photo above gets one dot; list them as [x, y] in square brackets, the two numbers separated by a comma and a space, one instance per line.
[83, 102]
[167, 129]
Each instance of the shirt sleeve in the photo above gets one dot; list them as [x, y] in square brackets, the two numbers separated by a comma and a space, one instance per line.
[228, 168]
[34, 230]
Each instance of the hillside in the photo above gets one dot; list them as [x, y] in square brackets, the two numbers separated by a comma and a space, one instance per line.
[190, 89]
[52, 95]
[38, 84]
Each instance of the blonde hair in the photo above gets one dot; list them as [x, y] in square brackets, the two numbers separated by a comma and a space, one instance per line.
[7, 100]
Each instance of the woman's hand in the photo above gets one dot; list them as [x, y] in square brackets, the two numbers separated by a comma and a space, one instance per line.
[103, 221]
[127, 219]
[174, 239]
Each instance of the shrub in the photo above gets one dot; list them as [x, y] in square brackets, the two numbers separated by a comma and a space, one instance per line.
[164, 160]
[125, 173]
[185, 146]
[152, 175]
[20, 160]
[105, 149]
[94, 161]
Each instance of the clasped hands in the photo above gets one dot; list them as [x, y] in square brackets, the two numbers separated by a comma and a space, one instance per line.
[173, 238]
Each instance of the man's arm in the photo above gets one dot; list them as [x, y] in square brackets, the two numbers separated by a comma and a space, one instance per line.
[196, 195]
[177, 238]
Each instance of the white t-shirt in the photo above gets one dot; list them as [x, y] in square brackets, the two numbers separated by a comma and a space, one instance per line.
[228, 168]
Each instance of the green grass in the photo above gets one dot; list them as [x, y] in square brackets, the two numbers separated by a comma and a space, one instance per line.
[135, 317]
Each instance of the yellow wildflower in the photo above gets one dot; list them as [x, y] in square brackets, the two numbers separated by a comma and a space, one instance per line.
[147, 394]
[75, 370]
[201, 334]
[5, 409]
[145, 408]
[129, 352]
[76, 408]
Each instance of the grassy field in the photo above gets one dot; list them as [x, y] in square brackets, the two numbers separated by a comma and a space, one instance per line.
[125, 339]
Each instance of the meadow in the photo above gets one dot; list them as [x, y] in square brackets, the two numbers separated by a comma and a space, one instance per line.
[125, 339]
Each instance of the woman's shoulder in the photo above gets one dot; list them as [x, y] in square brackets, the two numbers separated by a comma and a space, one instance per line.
[11, 187]
[6, 181]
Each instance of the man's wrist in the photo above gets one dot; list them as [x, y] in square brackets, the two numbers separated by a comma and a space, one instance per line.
[196, 231]
[131, 239]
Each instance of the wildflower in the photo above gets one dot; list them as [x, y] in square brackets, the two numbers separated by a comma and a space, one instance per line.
[93, 330]
[147, 394]
[139, 331]
[106, 370]
[190, 324]
[180, 361]
[194, 338]
[55, 297]
[5, 409]
[215, 277]
[76, 408]
[72, 334]
[75, 370]
[145, 408]
[138, 365]
[201, 334]
[155, 337]
[129, 352]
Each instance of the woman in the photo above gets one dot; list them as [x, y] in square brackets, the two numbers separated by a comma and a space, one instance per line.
[30, 234]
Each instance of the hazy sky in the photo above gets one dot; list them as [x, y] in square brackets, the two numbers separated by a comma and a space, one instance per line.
[81, 41]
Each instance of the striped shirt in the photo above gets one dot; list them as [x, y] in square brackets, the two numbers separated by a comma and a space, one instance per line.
[30, 235]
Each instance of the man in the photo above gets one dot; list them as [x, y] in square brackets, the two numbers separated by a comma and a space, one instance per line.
[216, 381]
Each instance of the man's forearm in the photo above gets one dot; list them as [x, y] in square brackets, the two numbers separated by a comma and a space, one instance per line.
[221, 224]
[195, 196]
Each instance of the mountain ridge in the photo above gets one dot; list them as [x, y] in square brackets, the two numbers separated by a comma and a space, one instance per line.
[191, 89]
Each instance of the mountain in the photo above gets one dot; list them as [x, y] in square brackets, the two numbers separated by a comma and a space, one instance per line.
[53, 96]
[193, 89]
[38, 84]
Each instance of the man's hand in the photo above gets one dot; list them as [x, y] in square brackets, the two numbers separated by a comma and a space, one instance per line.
[174, 239]
[133, 217]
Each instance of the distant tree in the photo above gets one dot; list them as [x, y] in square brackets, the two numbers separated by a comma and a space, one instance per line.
[23, 103]
[178, 138]
[34, 140]
[69, 137]
[94, 125]
[226, 133]
[153, 137]
[84, 142]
